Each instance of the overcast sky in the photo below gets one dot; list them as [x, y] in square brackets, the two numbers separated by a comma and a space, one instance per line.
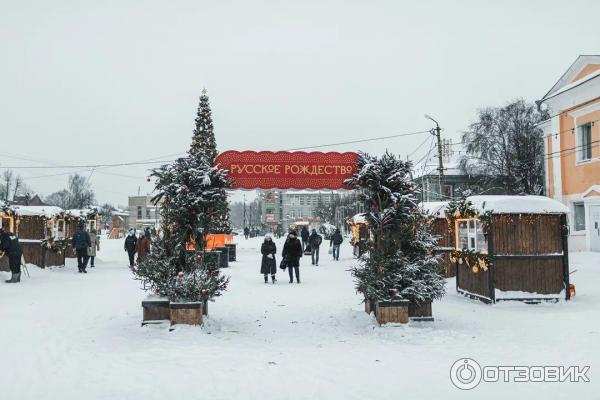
[90, 82]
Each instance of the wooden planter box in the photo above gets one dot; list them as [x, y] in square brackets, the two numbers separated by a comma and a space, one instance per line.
[155, 310]
[232, 251]
[421, 312]
[369, 306]
[392, 311]
[224, 259]
[186, 313]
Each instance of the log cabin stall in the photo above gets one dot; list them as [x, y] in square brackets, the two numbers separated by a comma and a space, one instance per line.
[37, 228]
[359, 233]
[444, 233]
[510, 248]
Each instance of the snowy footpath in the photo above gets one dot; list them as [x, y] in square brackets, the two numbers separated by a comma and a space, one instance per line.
[65, 335]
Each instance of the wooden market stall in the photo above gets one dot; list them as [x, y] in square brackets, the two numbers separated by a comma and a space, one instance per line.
[37, 228]
[88, 216]
[445, 235]
[510, 248]
[359, 233]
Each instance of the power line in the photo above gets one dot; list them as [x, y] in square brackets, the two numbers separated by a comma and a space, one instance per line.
[359, 141]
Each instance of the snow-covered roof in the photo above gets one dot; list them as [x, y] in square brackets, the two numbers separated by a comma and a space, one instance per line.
[80, 213]
[518, 205]
[42, 211]
[358, 219]
[435, 208]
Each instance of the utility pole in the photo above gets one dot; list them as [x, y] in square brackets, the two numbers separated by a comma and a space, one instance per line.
[245, 212]
[437, 133]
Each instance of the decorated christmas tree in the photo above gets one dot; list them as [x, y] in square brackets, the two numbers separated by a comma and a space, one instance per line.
[203, 142]
[399, 263]
[191, 192]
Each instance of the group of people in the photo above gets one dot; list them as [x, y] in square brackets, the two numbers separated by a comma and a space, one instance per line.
[293, 249]
[85, 246]
[139, 245]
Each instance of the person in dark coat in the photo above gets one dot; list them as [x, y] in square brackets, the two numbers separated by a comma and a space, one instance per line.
[268, 266]
[305, 235]
[314, 241]
[130, 246]
[81, 243]
[335, 242]
[9, 245]
[246, 232]
[292, 251]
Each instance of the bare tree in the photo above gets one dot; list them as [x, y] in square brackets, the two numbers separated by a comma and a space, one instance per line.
[78, 195]
[505, 145]
[12, 185]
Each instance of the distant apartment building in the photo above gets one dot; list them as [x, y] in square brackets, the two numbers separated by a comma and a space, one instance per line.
[142, 213]
[572, 146]
[291, 206]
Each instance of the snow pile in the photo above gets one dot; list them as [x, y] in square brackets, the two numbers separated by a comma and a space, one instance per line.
[358, 219]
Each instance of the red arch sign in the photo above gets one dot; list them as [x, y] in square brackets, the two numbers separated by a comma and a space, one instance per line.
[288, 170]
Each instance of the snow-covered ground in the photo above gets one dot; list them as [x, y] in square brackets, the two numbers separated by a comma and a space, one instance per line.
[65, 335]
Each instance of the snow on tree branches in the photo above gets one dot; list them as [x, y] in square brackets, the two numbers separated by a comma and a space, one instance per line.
[400, 250]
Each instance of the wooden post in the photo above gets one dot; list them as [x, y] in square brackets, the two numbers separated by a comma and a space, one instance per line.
[492, 266]
[565, 248]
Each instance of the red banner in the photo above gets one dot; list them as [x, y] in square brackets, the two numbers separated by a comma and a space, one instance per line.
[288, 170]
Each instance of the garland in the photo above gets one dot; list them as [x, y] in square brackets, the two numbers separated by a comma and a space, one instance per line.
[472, 259]
[58, 246]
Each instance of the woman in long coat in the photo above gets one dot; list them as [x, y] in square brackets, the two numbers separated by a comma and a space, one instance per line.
[292, 251]
[268, 265]
[94, 245]
[142, 247]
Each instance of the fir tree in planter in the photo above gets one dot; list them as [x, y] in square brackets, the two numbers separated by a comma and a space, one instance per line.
[399, 263]
[193, 201]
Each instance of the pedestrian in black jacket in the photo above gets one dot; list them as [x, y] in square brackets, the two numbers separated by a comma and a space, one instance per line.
[314, 241]
[81, 244]
[268, 265]
[335, 242]
[305, 235]
[9, 245]
[130, 246]
[292, 251]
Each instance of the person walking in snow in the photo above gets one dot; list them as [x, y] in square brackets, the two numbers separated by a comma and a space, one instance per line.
[305, 235]
[94, 246]
[292, 251]
[9, 245]
[335, 242]
[246, 233]
[268, 266]
[142, 246]
[81, 244]
[314, 241]
[130, 245]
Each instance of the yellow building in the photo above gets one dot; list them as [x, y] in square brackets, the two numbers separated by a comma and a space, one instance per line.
[572, 145]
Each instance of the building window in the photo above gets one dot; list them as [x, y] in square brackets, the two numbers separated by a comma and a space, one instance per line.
[447, 192]
[139, 212]
[470, 235]
[579, 216]
[148, 213]
[584, 142]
